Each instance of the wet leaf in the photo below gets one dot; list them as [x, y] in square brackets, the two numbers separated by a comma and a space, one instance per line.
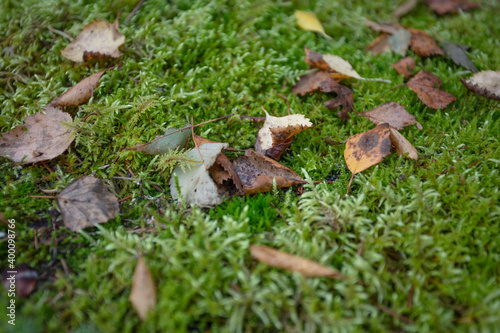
[80, 93]
[392, 113]
[97, 40]
[23, 281]
[423, 85]
[442, 7]
[277, 130]
[257, 171]
[143, 293]
[43, 136]
[366, 149]
[279, 259]
[485, 83]
[423, 44]
[380, 44]
[402, 145]
[405, 66]
[308, 21]
[196, 185]
[163, 144]
[86, 202]
[399, 41]
[456, 52]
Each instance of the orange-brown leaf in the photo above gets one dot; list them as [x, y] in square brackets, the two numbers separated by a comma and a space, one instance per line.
[143, 293]
[442, 7]
[79, 93]
[405, 67]
[402, 145]
[423, 85]
[423, 44]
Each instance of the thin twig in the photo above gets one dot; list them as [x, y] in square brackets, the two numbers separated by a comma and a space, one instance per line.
[350, 181]
[126, 178]
[394, 314]
[134, 12]
[42, 196]
[127, 197]
[59, 32]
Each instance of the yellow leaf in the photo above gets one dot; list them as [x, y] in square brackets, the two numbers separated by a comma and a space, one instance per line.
[308, 21]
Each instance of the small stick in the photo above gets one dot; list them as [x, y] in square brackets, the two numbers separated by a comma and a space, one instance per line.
[90, 114]
[59, 32]
[126, 178]
[323, 181]
[360, 249]
[212, 120]
[394, 314]
[42, 196]
[65, 266]
[350, 181]
[134, 12]
[127, 197]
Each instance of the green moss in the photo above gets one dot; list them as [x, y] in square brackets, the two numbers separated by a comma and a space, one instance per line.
[427, 228]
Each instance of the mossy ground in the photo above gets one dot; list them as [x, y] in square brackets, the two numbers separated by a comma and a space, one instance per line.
[428, 231]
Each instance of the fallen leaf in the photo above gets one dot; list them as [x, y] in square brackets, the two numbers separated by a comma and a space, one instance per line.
[196, 185]
[366, 149]
[80, 93]
[399, 41]
[456, 52]
[423, 44]
[23, 281]
[308, 21]
[43, 136]
[143, 293]
[310, 82]
[225, 176]
[485, 83]
[423, 85]
[257, 171]
[276, 151]
[345, 97]
[98, 39]
[404, 9]
[388, 28]
[380, 44]
[163, 144]
[405, 66]
[402, 145]
[86, 202]
[392, 113]
[277, 130]
[442, 7]
[337, 67]
[279, 259]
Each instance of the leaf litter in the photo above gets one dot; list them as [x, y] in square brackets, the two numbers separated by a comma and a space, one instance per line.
[143, 291]
[423, 85]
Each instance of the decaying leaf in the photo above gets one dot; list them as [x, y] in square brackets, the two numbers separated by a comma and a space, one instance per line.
[310, 82]
[402, 145]
[456, 52]
[337, 67]
[23, 281]
[86, 202]
[405, 66]
[442, 7]
[399, 41]
[163, 144]
[226, 178]
[308, 21]
[423, 85]
[388, 28]
[196, 185]
[392, 113]
[98, 39]
[277, 130]
[143, 293]
[43, 136]
[404, 9]
[345, 97]
[485, 83]
[257, 171]
[366, 149]
[380, 44]
[423, 44]
[80, 93]
[279, 259]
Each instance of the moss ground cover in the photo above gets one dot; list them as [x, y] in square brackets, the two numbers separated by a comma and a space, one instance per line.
[423, 236]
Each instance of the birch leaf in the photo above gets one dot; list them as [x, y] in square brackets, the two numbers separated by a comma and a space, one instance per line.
[308, 21]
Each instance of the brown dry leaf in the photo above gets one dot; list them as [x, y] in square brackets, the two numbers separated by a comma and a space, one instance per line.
[442, 7]
[423, 85]
[345, 97]
[308, 268]
[485, 83]
[163, 144]
[402, 145]
[380, 44]
[80, 93]
[143, 293]
[388, 28]
[195, 184]
[43, 136]
[311, 82]
[226, 178]
[404, 9]
[275, 152]
[366, 149]
[86, 202]
[405, 66]
[423, 44]
[392, 113]
[257, 171]
[23, 282]
[98, 39]
[277, 130]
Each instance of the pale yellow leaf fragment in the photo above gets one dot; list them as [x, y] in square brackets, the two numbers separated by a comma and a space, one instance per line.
[143, 294]
[308, 21]
[279, 129]
[402, 145]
